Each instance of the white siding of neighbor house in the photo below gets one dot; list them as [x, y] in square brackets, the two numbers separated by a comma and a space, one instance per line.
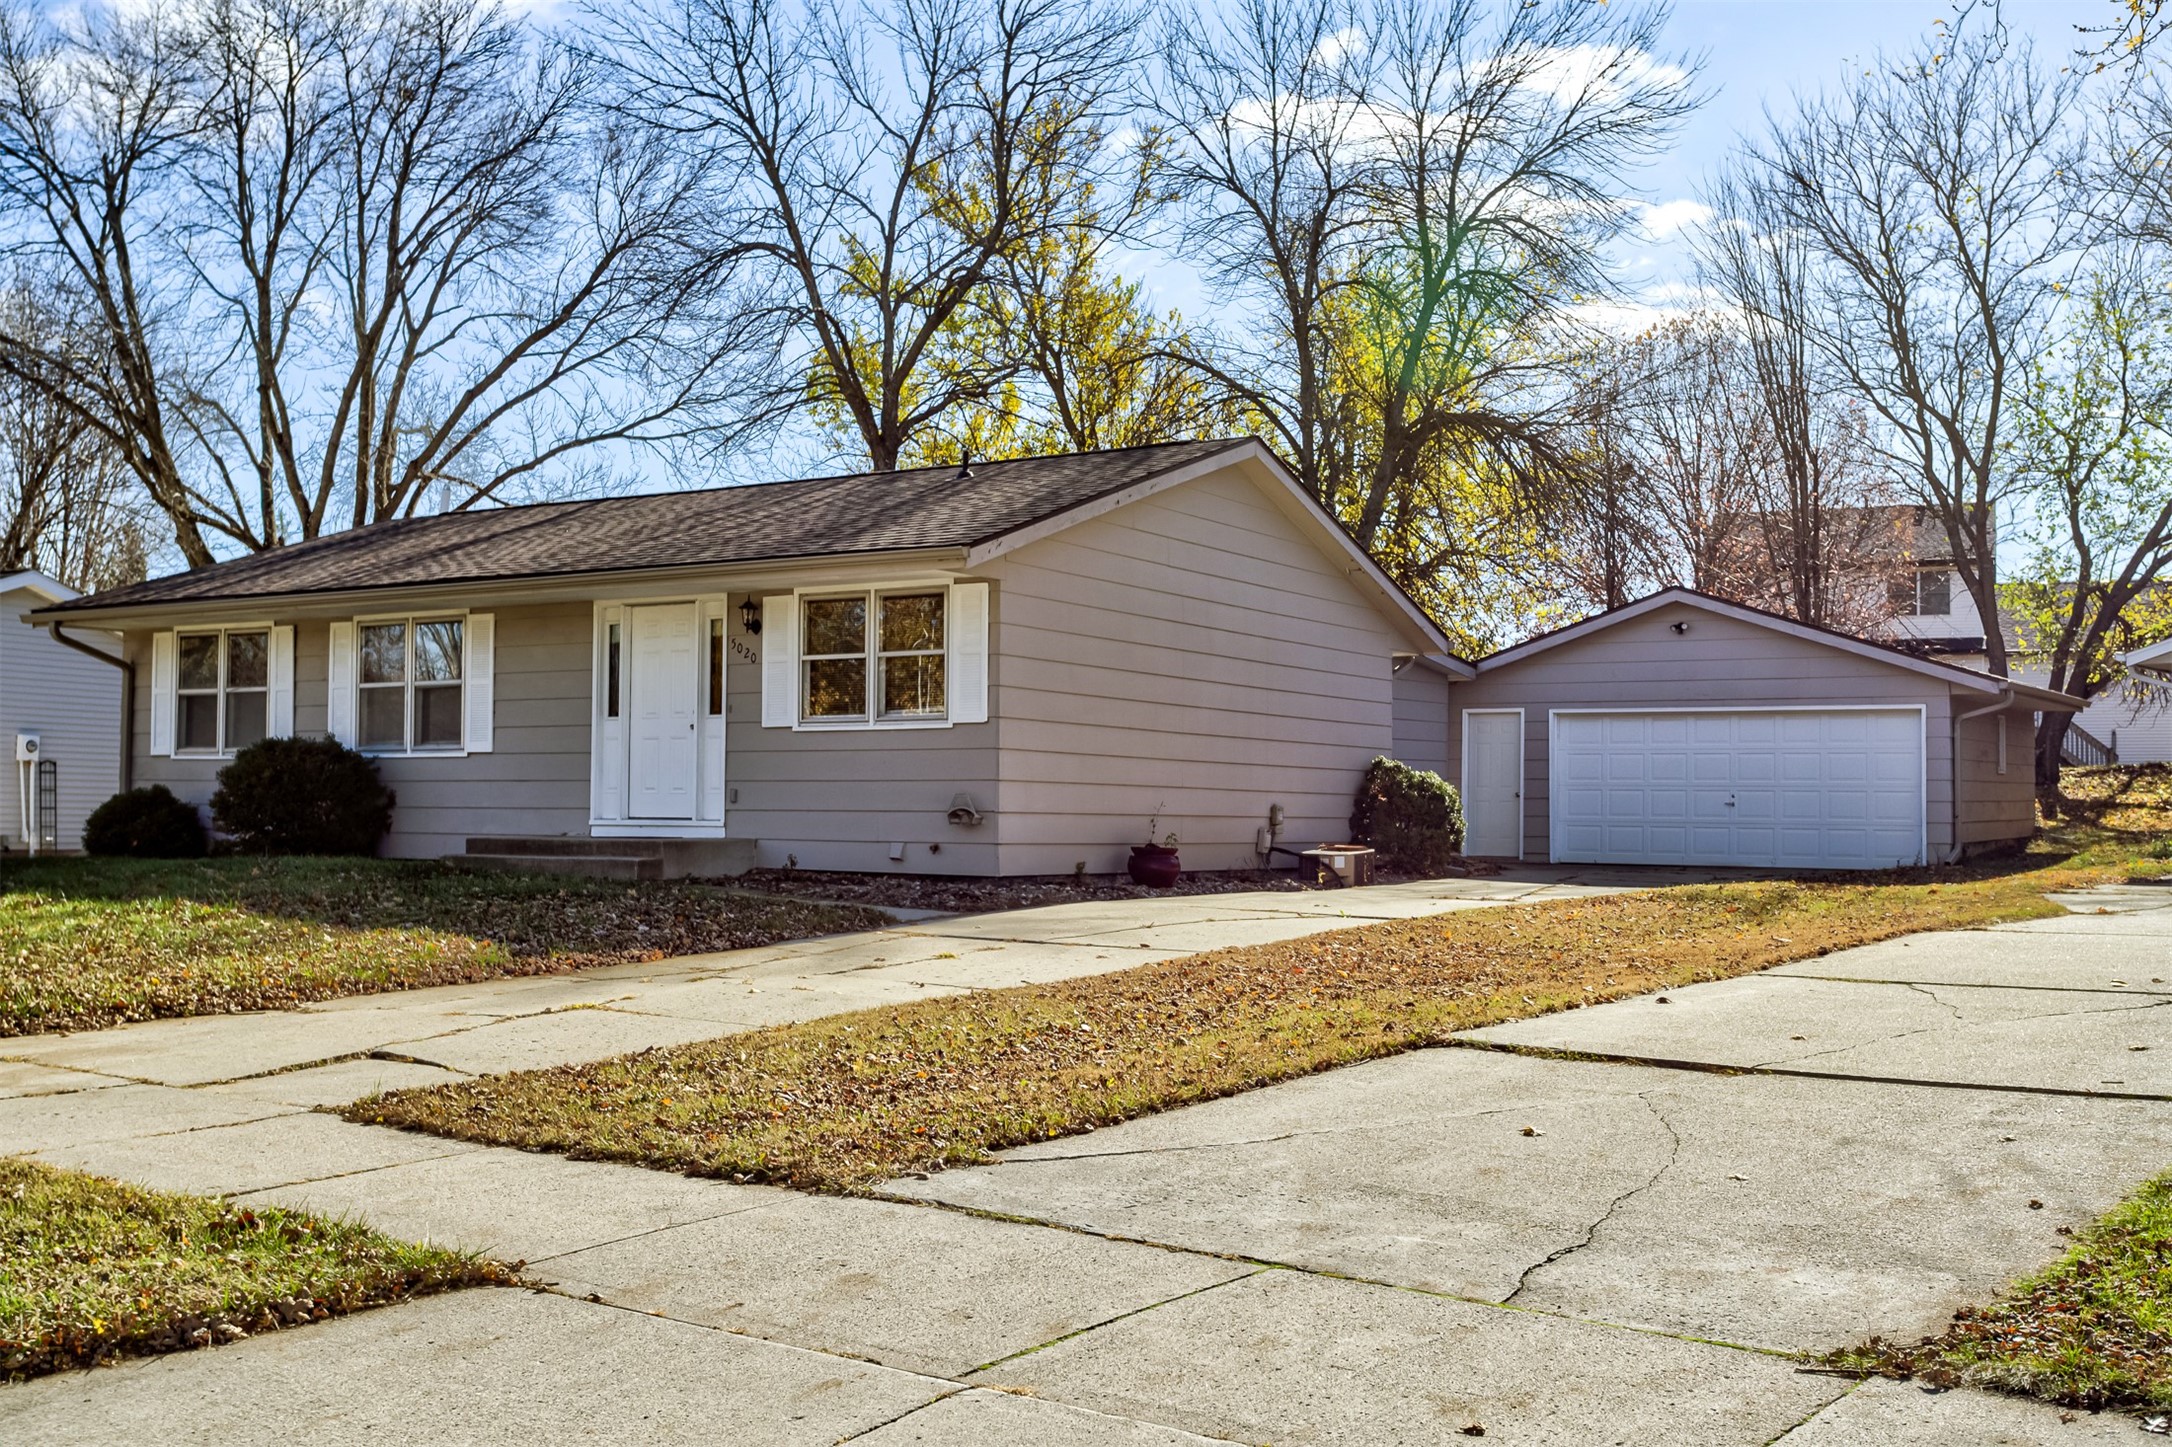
[1421, 718]
[72, 703]
[1722, 662]
[2136, 716]
[1193, 657]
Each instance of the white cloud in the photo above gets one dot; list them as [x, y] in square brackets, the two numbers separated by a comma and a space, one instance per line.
[1672, 218]
[1597, 72]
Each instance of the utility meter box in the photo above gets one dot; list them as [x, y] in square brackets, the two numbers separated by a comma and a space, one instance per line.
[27, 749]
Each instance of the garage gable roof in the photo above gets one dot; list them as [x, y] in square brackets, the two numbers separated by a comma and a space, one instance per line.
[1948, 673]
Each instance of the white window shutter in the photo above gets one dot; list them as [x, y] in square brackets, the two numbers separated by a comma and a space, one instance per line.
[163, 698]
[780, 661]
[479, 681]
[969, 653]
[339, 687]
[280, 706]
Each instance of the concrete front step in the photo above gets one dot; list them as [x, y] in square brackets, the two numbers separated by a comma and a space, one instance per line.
[591, 866]
[568, 844]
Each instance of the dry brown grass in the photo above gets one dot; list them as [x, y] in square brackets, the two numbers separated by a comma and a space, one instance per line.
[842, 1102]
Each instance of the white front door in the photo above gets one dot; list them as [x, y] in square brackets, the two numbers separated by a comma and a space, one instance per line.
[1493, 782]
[661, 681]
[1830, 788]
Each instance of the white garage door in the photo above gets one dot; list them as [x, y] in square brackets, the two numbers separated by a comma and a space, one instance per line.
[1800, 789]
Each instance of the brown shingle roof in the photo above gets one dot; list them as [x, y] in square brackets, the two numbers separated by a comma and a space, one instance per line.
[817, 517]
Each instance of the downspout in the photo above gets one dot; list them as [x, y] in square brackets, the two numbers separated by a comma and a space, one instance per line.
[1953, 766]
[128, 697]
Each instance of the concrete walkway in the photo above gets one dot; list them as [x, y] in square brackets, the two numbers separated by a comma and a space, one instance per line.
[1557, 1250]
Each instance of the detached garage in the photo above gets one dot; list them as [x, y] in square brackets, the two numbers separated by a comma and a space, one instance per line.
[1682, 729]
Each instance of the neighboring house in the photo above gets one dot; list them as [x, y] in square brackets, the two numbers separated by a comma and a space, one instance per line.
[70, 703]
[1683, 729]
[1002, 671]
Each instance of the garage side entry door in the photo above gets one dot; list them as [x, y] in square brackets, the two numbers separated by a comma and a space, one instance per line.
[1790, 789]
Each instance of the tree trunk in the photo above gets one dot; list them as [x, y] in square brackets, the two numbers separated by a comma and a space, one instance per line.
[2050, 736]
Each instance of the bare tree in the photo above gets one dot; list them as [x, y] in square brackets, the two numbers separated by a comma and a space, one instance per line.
[1411, 199]
[66, 504]
[353, 260]
[884, 163]
[1931, 200]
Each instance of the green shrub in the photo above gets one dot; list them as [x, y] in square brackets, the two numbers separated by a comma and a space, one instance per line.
[145, 824]
[302, 796]
[1411, 818]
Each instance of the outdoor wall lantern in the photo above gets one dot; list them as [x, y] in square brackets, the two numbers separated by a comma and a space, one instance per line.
[750, 615]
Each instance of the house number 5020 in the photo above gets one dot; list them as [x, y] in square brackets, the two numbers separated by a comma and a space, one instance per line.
[744, 651]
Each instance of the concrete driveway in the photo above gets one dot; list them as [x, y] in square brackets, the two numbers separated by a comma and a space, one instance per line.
[1557, 1250]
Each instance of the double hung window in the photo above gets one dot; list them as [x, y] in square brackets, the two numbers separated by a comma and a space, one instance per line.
[222, 697]
[411, 684]
[873, 655]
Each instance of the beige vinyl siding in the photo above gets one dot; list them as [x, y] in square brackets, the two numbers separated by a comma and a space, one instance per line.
[1996, 806]
[1719, 663]
[533, 782]
[72, 703]
[1421, 717]
[839, 799]
[1193, 655]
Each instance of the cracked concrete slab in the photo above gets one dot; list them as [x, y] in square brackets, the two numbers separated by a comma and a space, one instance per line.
[1297, 1359]
[919, 1289]
[1783, 1212]
[2111, 1042]
[1902, 1414]
[976, 1418]
[2140, 965]
[730, 1005]
[225, 1159]
[17, 1079]
[483, 1368]
[122, 1112]
[520, 1205]
[990, 968]
[334, 1084]
[207, 1048]
[563, 1037]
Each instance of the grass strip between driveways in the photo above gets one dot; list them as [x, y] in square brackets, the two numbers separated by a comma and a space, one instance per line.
[92, 1269]
[87, 943]
[843, 1102]
[2093, 1329]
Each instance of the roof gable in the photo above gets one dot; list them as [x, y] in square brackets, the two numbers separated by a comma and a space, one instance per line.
[30, 580]
[1947, 673]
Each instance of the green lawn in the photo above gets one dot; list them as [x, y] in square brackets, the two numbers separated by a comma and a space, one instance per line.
[91, 1269]
[86, 943]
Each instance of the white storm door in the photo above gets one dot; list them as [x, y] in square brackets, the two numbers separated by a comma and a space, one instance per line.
[661, 682]
[1493, 783]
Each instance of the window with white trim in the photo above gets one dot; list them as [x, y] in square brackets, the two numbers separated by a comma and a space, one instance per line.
[877, 655]
[222, 694]
[410, 685]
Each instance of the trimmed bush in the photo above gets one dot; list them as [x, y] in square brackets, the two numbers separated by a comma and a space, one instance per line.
[302, 796]
[145, 824]
[1413, 819]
